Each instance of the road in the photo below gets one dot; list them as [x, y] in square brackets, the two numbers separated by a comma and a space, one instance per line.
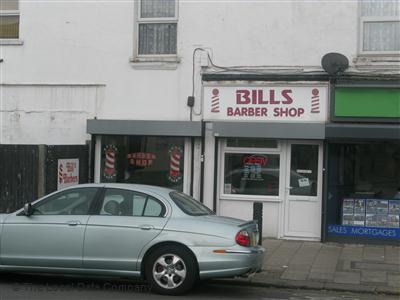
[30, 287]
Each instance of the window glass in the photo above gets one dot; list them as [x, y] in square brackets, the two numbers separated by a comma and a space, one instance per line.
[381, 25]
[381, 36]
[119, 202]
[157, 27]
[9, 27]
[364, 184]
[153, 208]
[145, 160]
[251, 143]
[139, 200]
[304, 170]
[8, 4]
[71, 202]
[380, 8]
[157, 8]
[251, 174]
[189, 205]
[159, 38]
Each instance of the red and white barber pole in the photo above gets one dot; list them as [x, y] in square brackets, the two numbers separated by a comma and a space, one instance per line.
[175, 163]
[60, 173]
[215, 101]
[315, 101]
[110, 152]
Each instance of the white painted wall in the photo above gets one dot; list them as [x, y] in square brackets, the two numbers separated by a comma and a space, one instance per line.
[91, 42]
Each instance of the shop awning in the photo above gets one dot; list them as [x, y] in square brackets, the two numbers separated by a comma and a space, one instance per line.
[363, 131]
[141, 127]
[268, 130]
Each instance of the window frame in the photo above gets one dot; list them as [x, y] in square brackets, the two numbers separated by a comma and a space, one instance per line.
[12, 13]
[371, 19]
[241, 150]
[172, 58]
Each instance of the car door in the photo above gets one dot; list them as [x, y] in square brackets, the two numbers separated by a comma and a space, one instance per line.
[53, 235]
[126, 222]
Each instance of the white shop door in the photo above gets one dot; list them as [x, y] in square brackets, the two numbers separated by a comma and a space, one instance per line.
[303, 193]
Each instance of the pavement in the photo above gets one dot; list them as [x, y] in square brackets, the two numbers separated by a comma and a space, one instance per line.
[328, 266]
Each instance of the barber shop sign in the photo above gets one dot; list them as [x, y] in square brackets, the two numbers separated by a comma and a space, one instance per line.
[266, 103]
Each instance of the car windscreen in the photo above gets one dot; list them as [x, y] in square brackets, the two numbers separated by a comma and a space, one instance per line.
[189, 205]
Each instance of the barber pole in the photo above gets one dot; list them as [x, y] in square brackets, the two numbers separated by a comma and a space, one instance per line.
[215, 101]
[174, 166]
[60, 173]
[315, 101]
[109, 164]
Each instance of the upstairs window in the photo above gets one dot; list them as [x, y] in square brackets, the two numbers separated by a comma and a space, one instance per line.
[380, 27]
[157, 28]
[9, 19]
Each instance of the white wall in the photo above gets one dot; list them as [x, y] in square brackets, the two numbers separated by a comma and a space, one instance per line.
[91, 42]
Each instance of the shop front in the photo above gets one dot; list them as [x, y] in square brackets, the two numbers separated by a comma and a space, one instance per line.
[363, 165]
[264, 143]
[144, 152]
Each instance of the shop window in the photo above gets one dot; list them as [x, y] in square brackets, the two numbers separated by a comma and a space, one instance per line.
[364, 188]
[143, 160]
[9, 19]
[157, 23]
[380, 27]
[251, 143]
[251, 174]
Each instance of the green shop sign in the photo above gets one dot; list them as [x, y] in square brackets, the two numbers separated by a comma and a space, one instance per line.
[367, 102]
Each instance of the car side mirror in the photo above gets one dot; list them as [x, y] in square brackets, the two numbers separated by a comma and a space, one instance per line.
[28, 209]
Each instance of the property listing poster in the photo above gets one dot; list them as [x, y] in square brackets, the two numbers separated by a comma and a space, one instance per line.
[371, 212]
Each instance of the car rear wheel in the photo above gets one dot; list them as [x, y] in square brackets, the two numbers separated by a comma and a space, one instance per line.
[171, 270]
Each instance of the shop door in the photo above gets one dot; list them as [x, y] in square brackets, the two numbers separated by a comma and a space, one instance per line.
[303, 191]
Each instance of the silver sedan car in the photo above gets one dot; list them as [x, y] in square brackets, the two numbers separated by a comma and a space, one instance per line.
[128, 230]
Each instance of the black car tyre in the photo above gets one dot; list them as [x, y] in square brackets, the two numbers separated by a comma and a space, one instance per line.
[171, 270]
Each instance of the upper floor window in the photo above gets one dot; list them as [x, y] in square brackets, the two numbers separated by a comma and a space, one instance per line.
[9, 19]
[157, 27]
[380, 27]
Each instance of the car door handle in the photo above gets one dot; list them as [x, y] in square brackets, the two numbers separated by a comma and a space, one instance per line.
[146, 227]
[73, 223]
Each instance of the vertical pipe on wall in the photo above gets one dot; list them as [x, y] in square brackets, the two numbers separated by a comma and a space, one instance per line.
[41, 182]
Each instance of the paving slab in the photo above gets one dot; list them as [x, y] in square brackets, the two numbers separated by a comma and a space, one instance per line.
[294, 275]
[347, 277]
[373, 276]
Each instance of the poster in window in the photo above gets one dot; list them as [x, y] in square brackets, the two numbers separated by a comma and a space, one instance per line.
[394, 207]
[371, 220]
[359, 219]
[394, 213]
[347, 219]
[348, 211]
[382, 207]
[348, 206]
[370, 206]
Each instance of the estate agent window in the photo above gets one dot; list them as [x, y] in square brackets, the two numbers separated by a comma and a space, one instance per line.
[364, 184]
[155, 160]
[9, 19]
[380, 27]
[157, 23]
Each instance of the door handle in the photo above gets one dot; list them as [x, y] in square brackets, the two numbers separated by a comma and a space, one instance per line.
[73, 223]
[146, 227]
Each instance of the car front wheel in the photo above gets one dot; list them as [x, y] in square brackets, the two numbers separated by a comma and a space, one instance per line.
[171, 270]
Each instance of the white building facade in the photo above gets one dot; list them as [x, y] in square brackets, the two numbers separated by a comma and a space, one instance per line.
[224, 100]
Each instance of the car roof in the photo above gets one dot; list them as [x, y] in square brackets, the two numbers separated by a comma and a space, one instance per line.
[137, 187]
